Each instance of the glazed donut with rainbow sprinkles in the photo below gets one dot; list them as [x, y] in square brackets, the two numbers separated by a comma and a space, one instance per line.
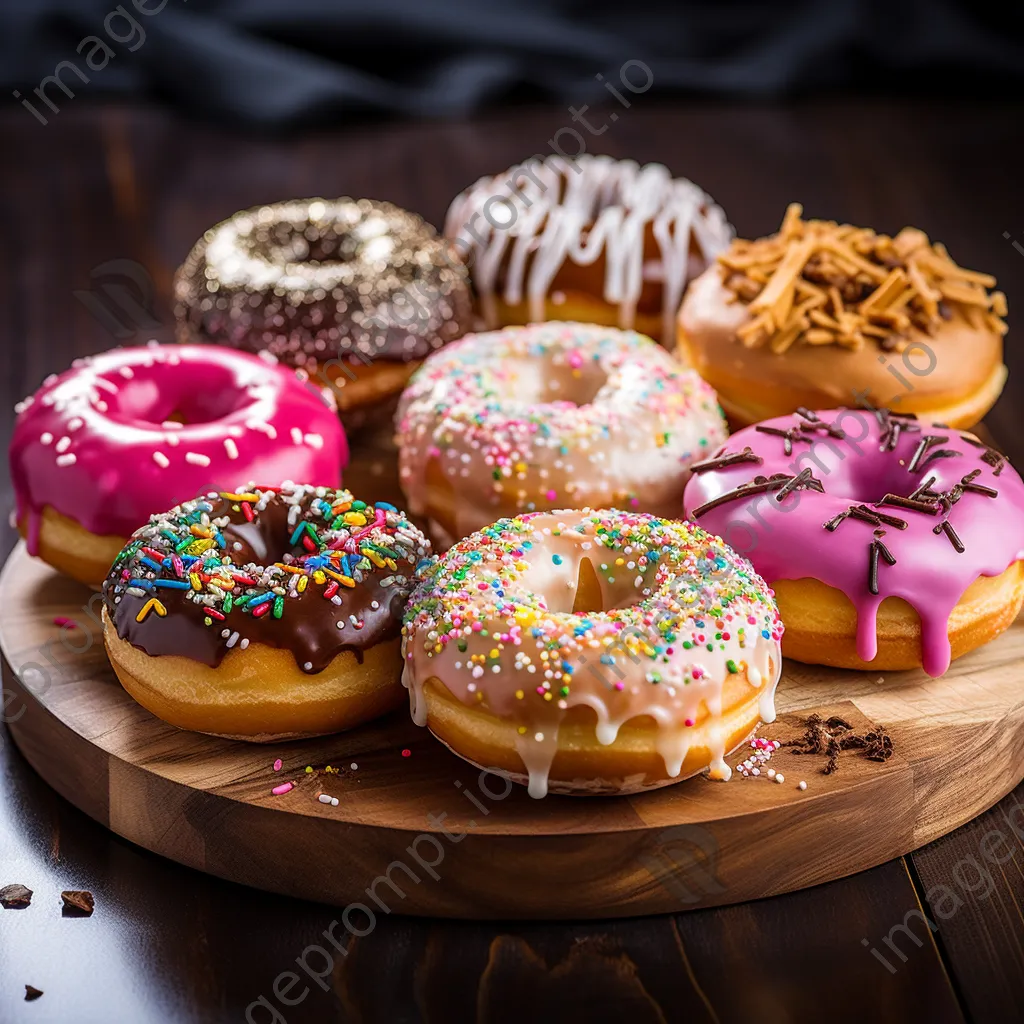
[592, 652]
[551, 415]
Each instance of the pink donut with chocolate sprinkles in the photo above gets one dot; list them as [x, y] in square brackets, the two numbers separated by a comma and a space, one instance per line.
[134, 431]
[890, 542]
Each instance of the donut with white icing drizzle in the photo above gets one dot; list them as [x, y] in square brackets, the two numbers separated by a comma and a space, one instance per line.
[891, 542]
[592, 651]
[547, 416]
[593, 239]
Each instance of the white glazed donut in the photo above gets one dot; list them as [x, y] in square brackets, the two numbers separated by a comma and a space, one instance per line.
[592, 651]
[551, 415]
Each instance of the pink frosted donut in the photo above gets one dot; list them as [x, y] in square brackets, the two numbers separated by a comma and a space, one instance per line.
[891, 543]
[135, 431]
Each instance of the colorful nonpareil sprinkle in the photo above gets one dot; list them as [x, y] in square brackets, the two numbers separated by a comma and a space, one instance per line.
[331, 570]
[554, 415]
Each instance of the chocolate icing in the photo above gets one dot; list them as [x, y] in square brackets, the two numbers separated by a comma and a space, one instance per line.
[336, 555]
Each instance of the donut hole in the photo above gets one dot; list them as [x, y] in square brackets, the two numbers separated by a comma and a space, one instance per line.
[146, 400]
[543, 381]
[287, 243]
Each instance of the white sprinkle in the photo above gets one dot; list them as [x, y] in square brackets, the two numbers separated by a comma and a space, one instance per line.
[353, 766]
[126, 372]
[780, 778]
[245, 643]
[539, 737]
[324, 798]
[46, 437]
[63, 444]
[334, 801]
[172, 439]
[101, 406]
[233, 639]
[296, 435]
[172, 425]
[161, 460]
[801, 785]
[308, 666]
[231, 448]
[771, 773]
[196, 459]
[755, 771]
[75, 423]
[66, 460]
[314, 440]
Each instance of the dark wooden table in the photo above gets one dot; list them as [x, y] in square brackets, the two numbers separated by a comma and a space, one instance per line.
[168, 944]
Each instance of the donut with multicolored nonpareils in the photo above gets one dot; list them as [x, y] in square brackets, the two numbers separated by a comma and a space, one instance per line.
[592, 652]
[264, 613]
[553, 415]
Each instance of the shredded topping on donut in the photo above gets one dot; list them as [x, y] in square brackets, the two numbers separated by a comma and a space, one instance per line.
[339, 565]
[818, 282]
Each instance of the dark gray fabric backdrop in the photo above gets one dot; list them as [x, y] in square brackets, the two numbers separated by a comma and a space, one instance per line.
[286, 62]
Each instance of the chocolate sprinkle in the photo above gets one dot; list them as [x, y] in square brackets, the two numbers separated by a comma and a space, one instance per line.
[32, 993]
[733, 459]
[946, 527]
[926, 443]
[911, 503]
[942, 453]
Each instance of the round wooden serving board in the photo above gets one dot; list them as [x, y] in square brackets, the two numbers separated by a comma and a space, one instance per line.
[208, 803]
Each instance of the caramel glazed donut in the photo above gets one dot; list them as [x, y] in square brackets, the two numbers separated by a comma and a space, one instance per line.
[550, 415]
[823, 315]
[592, 651]
[591, 239]
[265, 614]
[357, 291]
[891, 543]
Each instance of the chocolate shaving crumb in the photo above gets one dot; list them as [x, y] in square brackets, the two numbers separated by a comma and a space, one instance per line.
[926, 443]
[15, 897]
[32, 993]
[832, 736]
[79, 903]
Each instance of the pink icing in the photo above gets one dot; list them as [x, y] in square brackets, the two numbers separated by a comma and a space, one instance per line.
[96, 444]
[787, 540]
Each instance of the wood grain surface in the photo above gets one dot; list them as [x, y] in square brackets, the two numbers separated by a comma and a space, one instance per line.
[168, 943]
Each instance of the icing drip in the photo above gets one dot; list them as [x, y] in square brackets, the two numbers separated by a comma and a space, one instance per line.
[551, 415]
[885, 490]
[528, 221]
[682, 617]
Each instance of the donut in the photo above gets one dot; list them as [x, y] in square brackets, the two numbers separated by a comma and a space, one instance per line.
[133, 431]
[825, 315]
[354, 292]
[265, 613]
[591, 651]
[890, 542]
[547, 416]
[592, 239]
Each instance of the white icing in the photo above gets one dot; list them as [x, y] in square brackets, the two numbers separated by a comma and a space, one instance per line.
[579, 211]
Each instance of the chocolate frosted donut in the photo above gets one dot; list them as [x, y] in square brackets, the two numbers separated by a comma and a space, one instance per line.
[358, 290]
[264, 613]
